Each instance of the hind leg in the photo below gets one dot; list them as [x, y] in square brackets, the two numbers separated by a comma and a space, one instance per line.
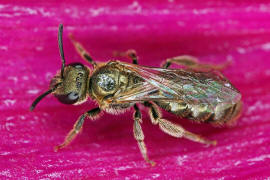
[172, 129]
[193, 63]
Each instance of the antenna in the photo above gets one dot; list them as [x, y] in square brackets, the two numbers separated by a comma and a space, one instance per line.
[39, 98]
[60, 44]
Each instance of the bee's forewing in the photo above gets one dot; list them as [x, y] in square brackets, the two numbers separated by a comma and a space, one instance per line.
[191, 87]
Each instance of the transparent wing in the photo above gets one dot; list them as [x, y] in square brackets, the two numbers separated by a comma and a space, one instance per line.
[180, 85]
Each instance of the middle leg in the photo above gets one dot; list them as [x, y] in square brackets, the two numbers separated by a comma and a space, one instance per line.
[139, 136]
[131, 53]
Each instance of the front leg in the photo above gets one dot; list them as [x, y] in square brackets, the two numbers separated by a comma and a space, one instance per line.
[92, 114]
[139, 136]
[81, 51]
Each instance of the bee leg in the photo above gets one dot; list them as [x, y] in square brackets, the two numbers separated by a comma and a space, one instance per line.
[131, 53]
[78, 127]
[138, 134]
[81, 50]
[193, 63]
[173, 129]
[178, 131]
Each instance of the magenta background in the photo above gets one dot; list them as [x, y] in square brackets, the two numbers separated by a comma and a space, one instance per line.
[210, 30]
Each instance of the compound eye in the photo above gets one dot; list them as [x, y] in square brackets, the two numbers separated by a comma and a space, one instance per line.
[70, 98]
[106, 82]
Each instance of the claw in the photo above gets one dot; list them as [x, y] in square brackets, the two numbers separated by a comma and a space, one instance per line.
[56, 148]
[151, 162]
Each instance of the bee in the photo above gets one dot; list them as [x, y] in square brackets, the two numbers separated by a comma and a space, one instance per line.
[198, 92]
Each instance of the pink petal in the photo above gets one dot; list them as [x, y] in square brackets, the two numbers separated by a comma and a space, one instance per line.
[210, 30]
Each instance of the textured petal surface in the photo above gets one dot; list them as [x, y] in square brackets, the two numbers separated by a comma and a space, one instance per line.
[213, 31]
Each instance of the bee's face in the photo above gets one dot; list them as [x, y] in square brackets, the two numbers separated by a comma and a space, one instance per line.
[73, 87]
[70, 85]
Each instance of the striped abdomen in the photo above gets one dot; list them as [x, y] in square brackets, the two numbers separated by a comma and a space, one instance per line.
[222, 114]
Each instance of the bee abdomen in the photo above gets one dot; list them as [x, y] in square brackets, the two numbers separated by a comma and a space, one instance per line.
[199, 113]
[202, 112]
[227, 115]
[180, 109]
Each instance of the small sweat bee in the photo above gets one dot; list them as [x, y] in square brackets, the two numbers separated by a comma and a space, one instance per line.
[198, 92]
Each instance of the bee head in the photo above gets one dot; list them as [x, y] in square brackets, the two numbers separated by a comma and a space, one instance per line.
[69, 86]
[72, 87]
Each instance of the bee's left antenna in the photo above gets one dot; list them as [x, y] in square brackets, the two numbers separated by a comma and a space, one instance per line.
[39, 98]
[60, 44]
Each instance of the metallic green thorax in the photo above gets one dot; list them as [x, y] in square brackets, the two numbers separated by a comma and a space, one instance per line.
[109, 81]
